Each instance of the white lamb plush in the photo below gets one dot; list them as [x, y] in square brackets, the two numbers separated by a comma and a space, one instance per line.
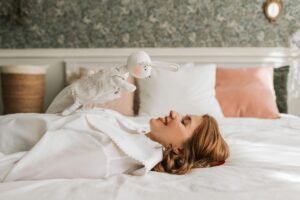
[105, 85]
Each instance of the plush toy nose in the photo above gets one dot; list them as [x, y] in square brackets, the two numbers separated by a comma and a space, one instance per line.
[141, 72]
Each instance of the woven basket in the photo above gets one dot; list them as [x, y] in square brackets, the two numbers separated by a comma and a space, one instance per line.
[23, 93]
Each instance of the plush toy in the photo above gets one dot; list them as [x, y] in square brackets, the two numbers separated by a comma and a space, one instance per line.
[106, 85]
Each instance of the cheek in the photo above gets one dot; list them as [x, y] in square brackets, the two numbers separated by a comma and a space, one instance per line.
[138, 70]
[178, 135]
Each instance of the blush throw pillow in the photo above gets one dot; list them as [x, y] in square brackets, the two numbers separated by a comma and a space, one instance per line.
[191, 90]
[247, 92]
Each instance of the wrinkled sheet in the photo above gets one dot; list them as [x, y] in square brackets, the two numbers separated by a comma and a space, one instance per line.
[264, 164]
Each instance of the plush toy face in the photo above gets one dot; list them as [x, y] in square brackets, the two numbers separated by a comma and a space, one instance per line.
[140, 71]
[139, 64]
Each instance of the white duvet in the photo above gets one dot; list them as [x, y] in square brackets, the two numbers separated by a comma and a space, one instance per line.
[264, 164]
[88, 144]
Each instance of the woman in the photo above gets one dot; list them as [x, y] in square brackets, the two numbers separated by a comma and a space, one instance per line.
[105, 143]
[190, 142]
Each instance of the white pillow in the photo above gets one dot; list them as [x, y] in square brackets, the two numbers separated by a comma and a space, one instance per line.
[191, 90]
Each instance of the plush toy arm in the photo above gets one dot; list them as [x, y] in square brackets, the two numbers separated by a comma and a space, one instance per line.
[72, 108]
[123, 84]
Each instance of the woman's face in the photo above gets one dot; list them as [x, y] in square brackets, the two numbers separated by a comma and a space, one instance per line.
[173, 130]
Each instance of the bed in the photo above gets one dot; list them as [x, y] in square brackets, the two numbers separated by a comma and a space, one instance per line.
[265, 152]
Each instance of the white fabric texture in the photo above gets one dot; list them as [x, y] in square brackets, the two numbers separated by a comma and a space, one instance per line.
[191, 90]
[83, 145]
[264, 165]
[101, 87]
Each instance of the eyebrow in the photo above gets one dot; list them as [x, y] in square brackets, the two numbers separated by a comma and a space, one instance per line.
[189, 118]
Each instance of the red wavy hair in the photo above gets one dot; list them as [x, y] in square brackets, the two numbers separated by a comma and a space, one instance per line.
[205, 148]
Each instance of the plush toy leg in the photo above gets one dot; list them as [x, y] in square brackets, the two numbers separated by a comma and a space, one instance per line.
[123, 84]
[72, 108]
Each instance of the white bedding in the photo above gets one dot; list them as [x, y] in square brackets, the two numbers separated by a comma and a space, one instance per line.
[264, 164]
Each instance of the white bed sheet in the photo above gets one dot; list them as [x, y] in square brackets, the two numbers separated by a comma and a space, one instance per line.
[264, 164]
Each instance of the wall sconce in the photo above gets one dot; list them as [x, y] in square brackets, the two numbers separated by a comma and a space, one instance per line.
[272, 9]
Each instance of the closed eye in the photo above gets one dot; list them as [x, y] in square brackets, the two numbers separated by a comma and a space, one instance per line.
[186, 120]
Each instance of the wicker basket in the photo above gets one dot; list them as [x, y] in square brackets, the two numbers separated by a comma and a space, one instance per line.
[23, 89]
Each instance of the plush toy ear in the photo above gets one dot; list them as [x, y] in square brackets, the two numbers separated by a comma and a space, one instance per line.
[165, 65]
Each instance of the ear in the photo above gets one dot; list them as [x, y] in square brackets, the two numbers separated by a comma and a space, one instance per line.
[177, 151]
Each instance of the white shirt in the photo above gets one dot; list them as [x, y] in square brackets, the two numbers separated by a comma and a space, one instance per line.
[82, 145]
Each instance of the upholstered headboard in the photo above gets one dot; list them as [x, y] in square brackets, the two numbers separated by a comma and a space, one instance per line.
[72, 59]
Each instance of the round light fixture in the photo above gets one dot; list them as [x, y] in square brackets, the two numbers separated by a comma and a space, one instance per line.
[272, 9]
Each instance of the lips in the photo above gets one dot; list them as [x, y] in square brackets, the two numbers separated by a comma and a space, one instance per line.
[162, 120]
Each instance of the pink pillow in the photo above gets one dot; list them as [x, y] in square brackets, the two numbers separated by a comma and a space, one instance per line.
[123, 105]
[246, 92]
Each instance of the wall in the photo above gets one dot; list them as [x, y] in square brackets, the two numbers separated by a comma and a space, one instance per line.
[139, 23]
[144, 23]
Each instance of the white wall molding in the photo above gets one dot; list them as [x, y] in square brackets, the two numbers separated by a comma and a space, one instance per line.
[228, 56]
[116, 52]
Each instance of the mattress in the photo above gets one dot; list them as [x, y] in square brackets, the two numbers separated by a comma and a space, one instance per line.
[264, 164]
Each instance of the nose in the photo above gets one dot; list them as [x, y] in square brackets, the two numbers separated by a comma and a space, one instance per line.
[173, 115]
[170, 117]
